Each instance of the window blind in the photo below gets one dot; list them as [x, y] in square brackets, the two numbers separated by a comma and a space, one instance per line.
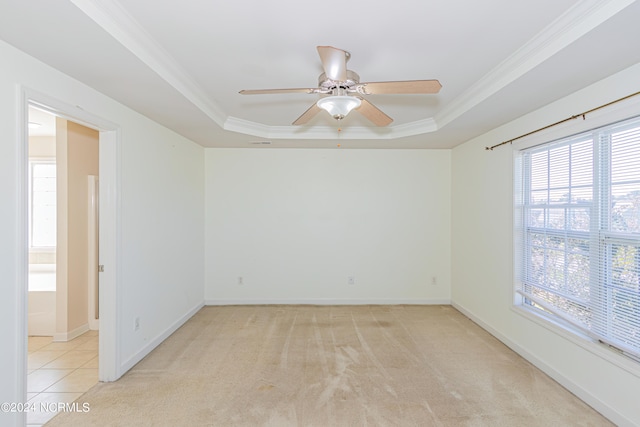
[42, 204]
[580, 232]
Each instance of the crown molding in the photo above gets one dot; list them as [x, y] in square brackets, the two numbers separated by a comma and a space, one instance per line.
[116, 21]
[566, 29]
[418, 127]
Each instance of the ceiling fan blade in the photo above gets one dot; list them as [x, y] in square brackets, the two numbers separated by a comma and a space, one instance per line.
[400, 87]
[334, 62]
[307, 115]
[269, 91]
[373, 113]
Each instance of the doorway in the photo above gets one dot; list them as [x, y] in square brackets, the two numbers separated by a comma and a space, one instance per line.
[63, 230]
[108, 209]
[63, 159]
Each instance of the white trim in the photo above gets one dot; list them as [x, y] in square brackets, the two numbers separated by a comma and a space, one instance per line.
[137, 357]
[22, 240]
[92, 250]
[68, 336]
[417, 127]
[109, 252]
[329, 301]
[580, 392]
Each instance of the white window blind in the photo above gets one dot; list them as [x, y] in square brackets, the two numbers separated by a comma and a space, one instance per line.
[579, 201]
[42, 204]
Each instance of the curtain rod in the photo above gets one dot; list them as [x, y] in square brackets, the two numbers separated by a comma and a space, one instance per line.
[562, 121]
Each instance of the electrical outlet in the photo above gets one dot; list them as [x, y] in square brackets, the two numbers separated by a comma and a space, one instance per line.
[240, 280]
[351, 280]
[434, 280]
[136, 324]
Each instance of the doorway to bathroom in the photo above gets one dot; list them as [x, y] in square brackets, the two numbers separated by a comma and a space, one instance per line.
[63, 294]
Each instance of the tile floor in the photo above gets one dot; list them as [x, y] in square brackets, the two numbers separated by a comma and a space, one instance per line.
[60, 372]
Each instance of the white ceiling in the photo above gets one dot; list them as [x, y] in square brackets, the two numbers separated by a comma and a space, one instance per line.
[182, 63]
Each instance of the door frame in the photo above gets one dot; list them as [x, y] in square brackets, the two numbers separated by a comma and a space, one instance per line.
[109, 226]
[93, 301]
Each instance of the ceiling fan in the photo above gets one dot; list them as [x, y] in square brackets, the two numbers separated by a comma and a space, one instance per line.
[344, 92]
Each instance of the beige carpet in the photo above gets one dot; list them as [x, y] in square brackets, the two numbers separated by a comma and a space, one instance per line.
[332, 366]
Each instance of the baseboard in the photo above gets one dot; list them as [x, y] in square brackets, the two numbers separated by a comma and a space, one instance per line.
[580, 392]
[131, 362]
[68, 336]
[328, 301]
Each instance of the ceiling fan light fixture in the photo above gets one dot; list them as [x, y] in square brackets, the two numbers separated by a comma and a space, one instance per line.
[339, 106]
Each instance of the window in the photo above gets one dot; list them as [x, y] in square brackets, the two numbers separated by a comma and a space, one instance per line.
[42, 204]
[578, 232]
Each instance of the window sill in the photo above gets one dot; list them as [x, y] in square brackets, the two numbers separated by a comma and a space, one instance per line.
[42, 268]
[599, 349]
[43, 249]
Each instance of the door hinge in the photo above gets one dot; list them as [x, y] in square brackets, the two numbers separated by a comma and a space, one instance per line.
[101, 268]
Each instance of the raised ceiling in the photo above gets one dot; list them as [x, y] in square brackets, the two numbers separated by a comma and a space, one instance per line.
[182, 63]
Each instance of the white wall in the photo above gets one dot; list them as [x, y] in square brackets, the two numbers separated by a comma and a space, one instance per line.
[295, 223]
[163, 234]
[161, 218]
[482, 255]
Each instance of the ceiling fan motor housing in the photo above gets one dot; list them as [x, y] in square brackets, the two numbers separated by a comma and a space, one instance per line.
[325, 83]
